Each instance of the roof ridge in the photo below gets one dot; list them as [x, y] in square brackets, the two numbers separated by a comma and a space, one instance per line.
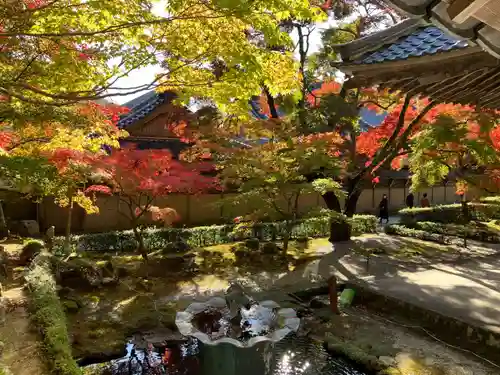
[374, 41]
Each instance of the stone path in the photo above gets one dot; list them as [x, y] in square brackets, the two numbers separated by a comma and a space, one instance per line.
[464, 288]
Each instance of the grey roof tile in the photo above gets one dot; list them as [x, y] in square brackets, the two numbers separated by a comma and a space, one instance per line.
[423, 41]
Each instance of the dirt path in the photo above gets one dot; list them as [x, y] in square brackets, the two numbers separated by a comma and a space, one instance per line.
[20, 346]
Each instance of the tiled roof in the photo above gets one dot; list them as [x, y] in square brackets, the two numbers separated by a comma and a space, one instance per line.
[145, 104]
[142, 106]
[477, 28]
[422, 41]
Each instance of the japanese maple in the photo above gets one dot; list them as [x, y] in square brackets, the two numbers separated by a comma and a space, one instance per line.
[54, 158]
[139, 177]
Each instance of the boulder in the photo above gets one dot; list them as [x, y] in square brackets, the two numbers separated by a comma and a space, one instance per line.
[79, 273]
[177, 247]
[71, 306]
[30, 251]
[29, 228]
[270, 248]
[252, 243]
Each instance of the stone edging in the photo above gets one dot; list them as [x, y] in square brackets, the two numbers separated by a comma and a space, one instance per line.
[451, 330]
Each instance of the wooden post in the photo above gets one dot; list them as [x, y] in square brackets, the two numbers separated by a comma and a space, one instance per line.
[188, 209]
[332, 292]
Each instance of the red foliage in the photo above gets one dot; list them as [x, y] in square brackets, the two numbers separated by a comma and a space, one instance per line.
[63, 158]
[34, 4]
[327, 88]
[6, 139]
[103, 189]
[110, 111]
[132, 171]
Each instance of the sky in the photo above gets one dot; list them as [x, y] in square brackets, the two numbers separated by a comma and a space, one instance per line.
[147, 74]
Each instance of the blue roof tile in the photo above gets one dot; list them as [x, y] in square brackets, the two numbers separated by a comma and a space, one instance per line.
[424, 41]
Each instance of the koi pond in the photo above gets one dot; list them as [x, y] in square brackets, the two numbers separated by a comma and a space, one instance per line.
[234, 335]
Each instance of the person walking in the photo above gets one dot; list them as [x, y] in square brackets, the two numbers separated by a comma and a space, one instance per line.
[410, 200]
[384, 209]
[424, 202]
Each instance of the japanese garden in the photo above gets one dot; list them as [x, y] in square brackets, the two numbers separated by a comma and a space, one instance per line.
[278, 187]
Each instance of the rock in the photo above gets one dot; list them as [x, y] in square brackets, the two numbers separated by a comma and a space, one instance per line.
[71, 306]
[177, 247]
[108, 269]
[252, 243]
[108, 281]
[122, 272]
[4, 261]
[144, 284]
[78, 273]
[30, 251]
[386, 360]
[318, 302]
[270, 248]
[29, 228]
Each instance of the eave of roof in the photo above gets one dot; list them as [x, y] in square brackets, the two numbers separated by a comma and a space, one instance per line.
[458, 74]
[408, 39]
[436, 11]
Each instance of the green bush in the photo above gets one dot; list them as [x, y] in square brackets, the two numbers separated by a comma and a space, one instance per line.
[450, 213]
[493, 199]
[157, 239]
[48, 315]
[401, 230]
[473, 231]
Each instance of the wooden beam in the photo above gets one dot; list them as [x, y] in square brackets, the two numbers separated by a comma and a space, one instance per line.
[461, 10]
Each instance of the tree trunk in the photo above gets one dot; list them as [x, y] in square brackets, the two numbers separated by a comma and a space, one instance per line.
[351, 203]
[332, 202]
[466, 216]
[341, 231]
[4, 231]
[67, 233]
[288, 235]
[140, 241]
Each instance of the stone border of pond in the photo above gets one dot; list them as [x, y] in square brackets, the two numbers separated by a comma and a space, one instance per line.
[450, 330]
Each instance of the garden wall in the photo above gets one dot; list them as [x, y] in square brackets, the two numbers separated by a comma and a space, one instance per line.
[204, 209]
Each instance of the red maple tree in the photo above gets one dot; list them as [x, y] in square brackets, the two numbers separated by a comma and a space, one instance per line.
[139, 177]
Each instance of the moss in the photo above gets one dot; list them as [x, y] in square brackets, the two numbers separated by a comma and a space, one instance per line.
[412, 366]
[48, 313]
[354, 353]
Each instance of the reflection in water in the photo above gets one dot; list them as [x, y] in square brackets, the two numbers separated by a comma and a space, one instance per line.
[251, 321]
[292, 356]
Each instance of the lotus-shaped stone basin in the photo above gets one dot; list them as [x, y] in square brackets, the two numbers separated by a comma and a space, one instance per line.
[249, 350]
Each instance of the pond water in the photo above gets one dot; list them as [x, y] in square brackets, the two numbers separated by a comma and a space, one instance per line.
[294, 355]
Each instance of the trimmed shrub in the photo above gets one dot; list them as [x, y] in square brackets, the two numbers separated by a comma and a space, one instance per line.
[48, 314]
[495, 199]
[450, 213]
[156, 239]
[473, 231]
[401, 230]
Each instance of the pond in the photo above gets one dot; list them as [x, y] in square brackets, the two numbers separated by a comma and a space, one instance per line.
[294, 355]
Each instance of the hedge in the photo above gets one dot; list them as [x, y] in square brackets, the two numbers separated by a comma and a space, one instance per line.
[471, 231]
[155, 239]
[401, 230]
[493, 199]
[450, 213]
[48, 315]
